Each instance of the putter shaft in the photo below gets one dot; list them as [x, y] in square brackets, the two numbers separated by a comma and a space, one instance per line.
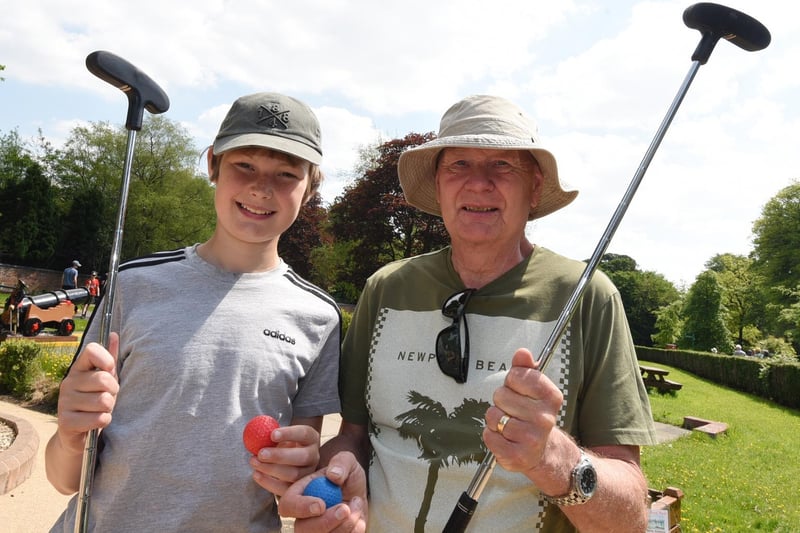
[90, 449]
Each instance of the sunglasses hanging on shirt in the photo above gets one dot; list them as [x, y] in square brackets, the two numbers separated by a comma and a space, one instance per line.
[453, 359]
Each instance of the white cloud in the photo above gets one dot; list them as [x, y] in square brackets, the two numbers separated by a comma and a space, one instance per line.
[597, 76]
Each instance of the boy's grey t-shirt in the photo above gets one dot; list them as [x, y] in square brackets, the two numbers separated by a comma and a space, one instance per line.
[202, 351]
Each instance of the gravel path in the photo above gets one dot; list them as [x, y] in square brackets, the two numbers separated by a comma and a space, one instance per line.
[7, 435]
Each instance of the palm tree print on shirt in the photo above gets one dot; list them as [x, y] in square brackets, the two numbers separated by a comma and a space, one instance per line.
[443, 438]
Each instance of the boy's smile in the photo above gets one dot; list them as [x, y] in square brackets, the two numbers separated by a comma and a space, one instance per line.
[259, 193]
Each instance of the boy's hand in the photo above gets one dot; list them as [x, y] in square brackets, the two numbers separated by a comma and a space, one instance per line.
[87, 394]
[310, 513]
[295, 455]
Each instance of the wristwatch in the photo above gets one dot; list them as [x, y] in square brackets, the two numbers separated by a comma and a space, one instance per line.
[582, 484]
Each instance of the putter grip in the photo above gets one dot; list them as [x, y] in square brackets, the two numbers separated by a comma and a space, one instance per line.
[142, 92]
[461, 515]
[717, 22]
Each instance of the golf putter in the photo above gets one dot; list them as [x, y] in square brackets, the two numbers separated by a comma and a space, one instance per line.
[714, 22]
[143, 93]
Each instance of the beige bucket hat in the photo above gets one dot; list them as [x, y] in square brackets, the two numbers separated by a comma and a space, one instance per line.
[480, 121]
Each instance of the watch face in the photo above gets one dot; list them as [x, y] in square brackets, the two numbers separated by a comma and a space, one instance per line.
[588, 481]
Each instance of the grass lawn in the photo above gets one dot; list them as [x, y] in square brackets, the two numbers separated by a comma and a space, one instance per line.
[747, 480]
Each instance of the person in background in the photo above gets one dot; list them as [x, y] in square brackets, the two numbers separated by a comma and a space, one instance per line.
[206, 338]
[69, 279]
[93, 286]
[103, 281]
[437, 364]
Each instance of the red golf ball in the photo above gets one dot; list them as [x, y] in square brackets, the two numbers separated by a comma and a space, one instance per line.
[258, 433]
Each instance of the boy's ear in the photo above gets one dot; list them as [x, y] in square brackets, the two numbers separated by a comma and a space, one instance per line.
[212, 161]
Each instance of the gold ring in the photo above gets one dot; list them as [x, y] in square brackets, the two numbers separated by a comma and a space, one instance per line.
[501, 424]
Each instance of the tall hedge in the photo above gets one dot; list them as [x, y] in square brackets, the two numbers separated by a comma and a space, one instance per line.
[775, 379]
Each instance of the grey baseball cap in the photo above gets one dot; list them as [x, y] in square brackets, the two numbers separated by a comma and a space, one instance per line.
[271, 120]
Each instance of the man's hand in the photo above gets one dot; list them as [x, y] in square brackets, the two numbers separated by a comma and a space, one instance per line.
[531, 401]
[310, 513]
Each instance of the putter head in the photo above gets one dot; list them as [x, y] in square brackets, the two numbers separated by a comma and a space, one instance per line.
[143, 93]
[717, 22]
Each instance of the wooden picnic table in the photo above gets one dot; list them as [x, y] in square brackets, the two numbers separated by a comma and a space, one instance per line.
[657, 377]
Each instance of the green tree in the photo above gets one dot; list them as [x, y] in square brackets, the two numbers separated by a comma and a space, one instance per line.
[60, 204]
[704, 316]
[776, 257]
[669, 324]
[372, 214]
[643, 294]
[32, 224]
[740, 291]
[779, 347]
[328, 262]
[169, 204]
[297, 243]
[612, 263]
[29, 205]
[776, 240]
[86, 220]
[442, 439]
[15, 158]
[790, 316]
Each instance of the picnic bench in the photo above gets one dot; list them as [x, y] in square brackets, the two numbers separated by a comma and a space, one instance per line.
[657, 377]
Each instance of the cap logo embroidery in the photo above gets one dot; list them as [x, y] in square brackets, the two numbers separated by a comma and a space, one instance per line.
[272, 117]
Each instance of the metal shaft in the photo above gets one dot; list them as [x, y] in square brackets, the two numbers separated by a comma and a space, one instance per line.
[90, 449]
[459, 519]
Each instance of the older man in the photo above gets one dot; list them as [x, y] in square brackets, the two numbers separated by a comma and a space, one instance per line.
[437, 365]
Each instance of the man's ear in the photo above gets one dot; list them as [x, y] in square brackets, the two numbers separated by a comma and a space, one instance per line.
[536, 185]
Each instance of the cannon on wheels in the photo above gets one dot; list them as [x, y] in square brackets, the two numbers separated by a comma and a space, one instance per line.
[29, 315]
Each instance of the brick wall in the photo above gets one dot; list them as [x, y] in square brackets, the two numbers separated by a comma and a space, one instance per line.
[37, 279]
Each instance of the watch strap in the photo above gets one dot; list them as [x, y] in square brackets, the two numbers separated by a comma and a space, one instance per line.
[573, 497]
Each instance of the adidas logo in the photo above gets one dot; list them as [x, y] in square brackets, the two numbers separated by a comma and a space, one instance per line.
[278, 335]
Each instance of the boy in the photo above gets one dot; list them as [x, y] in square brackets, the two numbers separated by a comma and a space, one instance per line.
[208, 337]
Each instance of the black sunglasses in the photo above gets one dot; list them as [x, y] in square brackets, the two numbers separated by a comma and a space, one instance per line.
[452, 360]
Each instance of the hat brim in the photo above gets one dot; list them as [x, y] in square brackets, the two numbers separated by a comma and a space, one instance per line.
[417, 168]
[275, 142]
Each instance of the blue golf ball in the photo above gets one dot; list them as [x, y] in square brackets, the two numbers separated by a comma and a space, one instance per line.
[325, 489]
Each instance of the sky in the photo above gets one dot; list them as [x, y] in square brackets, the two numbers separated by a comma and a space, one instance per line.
[597, 76]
